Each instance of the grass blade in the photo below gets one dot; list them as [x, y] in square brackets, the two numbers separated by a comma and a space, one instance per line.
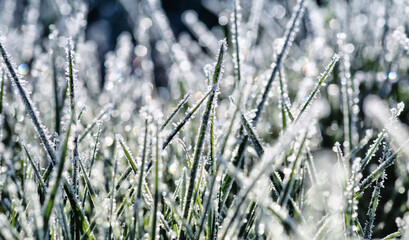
[289, 38]
[49, 204]
[235, 39]
[202, 132]
[3, 78]
[372, 149]
[253, 135]
[87, 130]
[176, 110]
[321, 80]
[127, 152]
[40, 128]
[372, 208]
[36, 172]
[184, 120]
[156, 193]
[88, 182]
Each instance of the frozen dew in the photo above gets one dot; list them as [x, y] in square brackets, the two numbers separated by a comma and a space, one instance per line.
[392, 76]
[23, 69]
[278, 44]
[223, 20]
[374, 48]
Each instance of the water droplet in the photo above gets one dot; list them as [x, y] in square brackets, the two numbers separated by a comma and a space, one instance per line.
[23, 69]
[392, 75]
[223, 20]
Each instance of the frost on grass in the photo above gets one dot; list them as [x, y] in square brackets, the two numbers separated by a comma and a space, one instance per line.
[207, 185]
[31, 110]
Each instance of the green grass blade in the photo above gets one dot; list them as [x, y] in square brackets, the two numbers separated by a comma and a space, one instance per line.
[3, 79]
[40, 128]
[283, 99]
[127, 152]
[95, 122]
[36, 172]
[253, 135]
[78, 211]
[289, 38]
[372, 149]
[376, 173]
[56, 94]
[156, 193]
[372, 208]
[121, 179]
[94, 155]
[235, 34]
[88, 182]
[202, 132]
[144, 151]
[184, 120]
[394, 235]
[317, 87]
[176, 110]
[49, 204]
[63, 221]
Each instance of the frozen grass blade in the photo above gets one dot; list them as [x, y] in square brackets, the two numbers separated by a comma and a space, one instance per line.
[94, 154]
[36, 172]
[251, 132]
[176, 110]
[288, 40]
[137, 201]
[56, 95]
[111, 202]
[317, 87]
[184, 120]
[70, 78]
[235, 33]
[144, 152]
[283, 98]
[82, 223]
[3, 78]
[49, 204]
[372, 208]
[285, 194]
[63, 221]
[253, 135]
[156, 193]
[202, 132]
[377, 172]
[95, 122]
[74, 224]
[372, 149]
[88, 183]
[207, 206]
[127, 152]
[250, 218]
[212, 155]
[121, 179]
[394, 235]
[40, 128]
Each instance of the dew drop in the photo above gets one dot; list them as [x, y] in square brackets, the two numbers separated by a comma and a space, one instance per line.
[392, 75]
[23, 69]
